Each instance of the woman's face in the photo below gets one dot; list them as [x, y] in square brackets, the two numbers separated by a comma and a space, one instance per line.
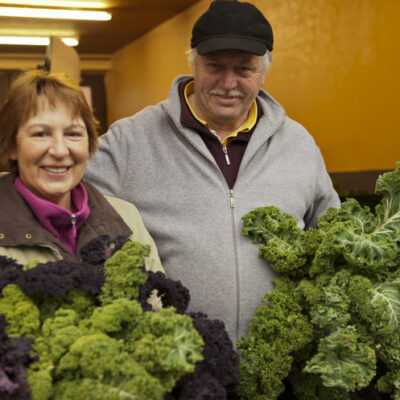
[52, 150]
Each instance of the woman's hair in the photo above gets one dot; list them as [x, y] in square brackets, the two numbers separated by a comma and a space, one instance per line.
[23, 102]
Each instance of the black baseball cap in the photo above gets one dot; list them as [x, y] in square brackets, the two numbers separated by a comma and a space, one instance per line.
[232, 25]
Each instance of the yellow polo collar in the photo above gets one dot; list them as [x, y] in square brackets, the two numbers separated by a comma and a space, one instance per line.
[246, 127]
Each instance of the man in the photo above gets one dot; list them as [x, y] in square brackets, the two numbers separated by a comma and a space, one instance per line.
[218, 147]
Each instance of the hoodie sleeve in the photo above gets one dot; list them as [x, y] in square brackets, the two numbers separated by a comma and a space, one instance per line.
[106, 169]
[325, 194]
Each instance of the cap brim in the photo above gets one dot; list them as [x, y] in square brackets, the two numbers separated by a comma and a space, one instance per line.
[231, 43]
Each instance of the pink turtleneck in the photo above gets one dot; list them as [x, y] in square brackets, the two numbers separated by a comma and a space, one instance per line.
[61, 223]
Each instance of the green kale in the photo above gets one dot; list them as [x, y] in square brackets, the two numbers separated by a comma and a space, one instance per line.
[343, 361]
[100, 346]
[123, 273]
[335, 311]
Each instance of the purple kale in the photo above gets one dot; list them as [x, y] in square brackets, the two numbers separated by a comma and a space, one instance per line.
[7, 262]
[119, 241]
[216, 377]
[98, 250]
[200, 385]
[172, 293]
[220, 358]
[14, 360]
[10, 271]
[57, 278]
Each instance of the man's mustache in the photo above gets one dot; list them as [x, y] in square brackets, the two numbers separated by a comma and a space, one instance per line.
[227, 93]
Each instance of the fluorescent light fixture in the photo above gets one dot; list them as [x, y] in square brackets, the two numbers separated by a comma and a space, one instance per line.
[58, 3]
[26, 12]
[34, 40]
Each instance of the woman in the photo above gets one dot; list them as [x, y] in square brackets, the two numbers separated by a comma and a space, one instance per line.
[47, 213]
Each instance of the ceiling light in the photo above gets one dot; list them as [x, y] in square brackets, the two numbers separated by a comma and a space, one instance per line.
[27, 12]
[58, 3]
[34, 40]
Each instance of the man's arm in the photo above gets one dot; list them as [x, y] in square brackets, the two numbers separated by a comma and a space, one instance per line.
[325, 194]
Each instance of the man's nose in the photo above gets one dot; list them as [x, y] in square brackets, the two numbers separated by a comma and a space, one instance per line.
[228, 80]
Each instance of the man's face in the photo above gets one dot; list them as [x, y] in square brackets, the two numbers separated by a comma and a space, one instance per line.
[226, 84]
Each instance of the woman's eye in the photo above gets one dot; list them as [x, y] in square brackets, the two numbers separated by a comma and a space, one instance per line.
[74, 134]
[39, 134]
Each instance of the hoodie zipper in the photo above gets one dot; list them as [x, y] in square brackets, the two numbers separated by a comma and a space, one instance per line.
[225, 150]
[231, 202]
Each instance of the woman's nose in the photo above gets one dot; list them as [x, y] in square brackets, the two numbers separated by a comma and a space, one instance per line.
[58, 147]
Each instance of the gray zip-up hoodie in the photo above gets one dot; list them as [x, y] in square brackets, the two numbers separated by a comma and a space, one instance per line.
[166, 170]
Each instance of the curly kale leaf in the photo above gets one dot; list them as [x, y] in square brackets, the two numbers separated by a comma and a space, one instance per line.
[388, 293]
[166, 345]
[283, 245]
[351, 238]
[57, 278]
[97, 367]
[97, 344]
[21, 312]
[263, 366]
[197, 386]
[346, 283]
[367, 242]
[310, 387]
[275, 332]
[123, 273]
[118, 318]
[10, 271]
[343, 361]
[53, 279]
[218, 373]
[390, 383]
[117, 352]
[15, 358]
[172, 293]
[98, 250]
[331, 309]
[220, 358]
[388, 212]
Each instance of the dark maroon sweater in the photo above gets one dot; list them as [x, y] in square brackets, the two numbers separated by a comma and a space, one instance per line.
[228, 164]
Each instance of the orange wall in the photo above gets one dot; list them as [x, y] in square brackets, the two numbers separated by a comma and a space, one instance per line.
[336, 70]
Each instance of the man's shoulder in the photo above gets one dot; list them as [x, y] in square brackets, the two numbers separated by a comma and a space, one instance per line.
[156, 112]
[147, 114]
[298, 133]
[274, 112]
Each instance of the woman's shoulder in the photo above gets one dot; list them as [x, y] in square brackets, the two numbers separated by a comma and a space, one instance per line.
[122, 206]
[6, 178]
